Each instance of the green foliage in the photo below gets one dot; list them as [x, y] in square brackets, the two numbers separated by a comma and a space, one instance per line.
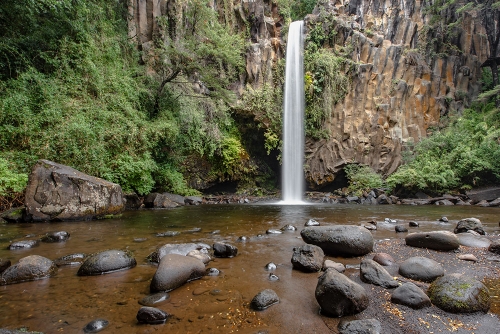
[172, 180]
[300, 8]
[362, 178]
[10, 181]
[134, 174]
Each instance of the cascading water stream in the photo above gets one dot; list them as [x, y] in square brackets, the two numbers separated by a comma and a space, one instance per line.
[292, 180]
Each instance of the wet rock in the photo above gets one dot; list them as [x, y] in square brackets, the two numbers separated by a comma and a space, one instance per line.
[224, 250]
[95, 326]
[4, 264]
[413, 224]
[193, 230]
[24, 244]
[373, 273]
[14, 215]
[273, 231]
[242, 239]
[158, 201]
[29, 268]
[384, 259]
[70, 260]
[308, 258]
[58, 236]
[174, 270]
[273, 277]
[364, 326]
[311, 222]
[345, 240]
[400, 229]
[133, 201]
[338, 296]
[264, 299]
[181, 249]
[151, 315]
[369, 227]
[444, 202]
[215, 232]
[289, 228]
[213, 272]
[437, 240]
[468, 257]
[193, 200]
[181, 200]
[443, 219]
[334, 265]
[421, 269]
[168, 234]
[106, 262]
[390, 221]
[495, 247]
[58, 192]
[154, 299]
[457, 293]
[471, 240]
[383, 199]
[200, 255]
[140, 239]
[270, 266]
[410, 295]
[467, 224]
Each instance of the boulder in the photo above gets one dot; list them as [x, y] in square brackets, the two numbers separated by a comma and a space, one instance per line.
[224, 250]
[58, 192]
[421, 269]
[95, 326]
[106, 262]
[373, 273]
[468, 224]
[495, 247]
[23, 244]
[484, 194]
[4, 264]
[383, 199]
[59, 236]
[400, 229]
[335, 265]
[158, 201]
[264, 299]
[193, 200]
[181, 249]
[181, 200]
[308, 258]
[29, 268]
[151, 315]
[174, 270]
[457, 293]
[471, 240]
[384, 259]
[133, 201]
[345, 240]
[200, 255]
[410, 295]
[338, 296]
[14, 215]
[364, 326]
[437, 240]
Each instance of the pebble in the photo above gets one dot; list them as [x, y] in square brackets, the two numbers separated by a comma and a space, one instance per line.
[96, 326]
[468, 257]
[270, 266]
[273, 277]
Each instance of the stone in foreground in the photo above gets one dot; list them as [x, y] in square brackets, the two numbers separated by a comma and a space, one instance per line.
[106, 262]
[469, 224]
[345, 240]
[96, 326]
[151, 315]
[421, 269]
[365, 326]
[338, 296]
[224, 250]
[457, 293]
[437, 240]
[264, 299]
[29, 268]
[59, 192]
[174, 270]
[308, 258]
[373, 273]
[410, 295]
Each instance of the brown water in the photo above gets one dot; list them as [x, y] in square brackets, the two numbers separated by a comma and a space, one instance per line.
[67, 302]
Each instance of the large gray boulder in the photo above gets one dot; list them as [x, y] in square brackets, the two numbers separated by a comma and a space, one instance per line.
[308, 258]
[344, 240]
[159, 201]
[373, 273]
[29, 268]
[106, 262]
[174, 270]
[59, 192]
[437, 240]
[459, 294]
[421, 269]
[338, 296]
[469, 224]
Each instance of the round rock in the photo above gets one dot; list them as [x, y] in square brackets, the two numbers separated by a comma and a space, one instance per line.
[468, 224]
[224, 250]
[289, 228]
[106, 262]
[384, 259]
[29, 268]
[24, 244]
[365, 326]
[400, 229]
[174, 270]
[308, 258]
[4, 264]
[410, 295]
[270, 266]
[437, 240]
[413, 224]
[421, 269]
[345, 240]
[495, 247]
[151, 315]
[95, 326]
[264, 299]
[335, 265]
[457, 293]
[59, 236]
[373, 273]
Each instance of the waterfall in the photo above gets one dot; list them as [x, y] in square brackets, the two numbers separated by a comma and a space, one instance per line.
[292, 179]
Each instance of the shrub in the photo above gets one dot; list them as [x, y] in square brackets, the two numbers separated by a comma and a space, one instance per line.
[362, 178]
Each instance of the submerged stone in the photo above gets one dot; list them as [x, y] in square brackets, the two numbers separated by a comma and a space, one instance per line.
[154, 299]
[96, 326]
[107, 262]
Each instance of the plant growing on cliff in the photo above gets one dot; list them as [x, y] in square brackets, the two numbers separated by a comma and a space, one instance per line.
[361, 179]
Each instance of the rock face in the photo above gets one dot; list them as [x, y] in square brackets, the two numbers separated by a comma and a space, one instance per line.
[421, 269]
[410, 295]
[346, 240]
[106, 262]
[308, 258]
[264, 299]
[58, 192]
[174, 270]
[29, 268]
[437, 240]
[459, 294]
[338, 296]
[373, 273]
[469, 224]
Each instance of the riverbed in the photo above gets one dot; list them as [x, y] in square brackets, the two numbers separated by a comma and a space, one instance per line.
[67, 302]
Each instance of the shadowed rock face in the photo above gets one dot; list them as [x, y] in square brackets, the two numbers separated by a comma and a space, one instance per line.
[59, 192]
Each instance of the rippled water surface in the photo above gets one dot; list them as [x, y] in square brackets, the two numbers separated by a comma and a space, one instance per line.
[67, 302]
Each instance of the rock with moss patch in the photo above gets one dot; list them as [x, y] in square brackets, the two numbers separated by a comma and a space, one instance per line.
[14, 215]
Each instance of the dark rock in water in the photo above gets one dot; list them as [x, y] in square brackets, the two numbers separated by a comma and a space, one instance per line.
[213, 272]
[29, 268]
[24, 244]
[495, 247]
[4, 264]
[242, 239]
[273, 277]
[289, 228]
[14, 215]
[443, 219]
[384, 259]
[345, 240]
[308, 258]
[224, 250]
[96, 326]
[181, 249]
[311, 222]
[151, 315]
[270, 266]
[400, 229]
[132, 201]
[154, 299]
[106, 262]
[273, 231]
[413, 224]
[471, 240]
[410, 295]
[373, 273]
[421, 269]
[174, 270]
[193, 200]
[334, 265]
[338, 296]
[457, 293]
[181, 200]
[365, 326]
[264, 299]
[468, 224]
[58, 192]
[437, 240]
[383, 199]
[158, 201]
[59, 236]
[168, 234]
[70, 260]
[201, 255]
